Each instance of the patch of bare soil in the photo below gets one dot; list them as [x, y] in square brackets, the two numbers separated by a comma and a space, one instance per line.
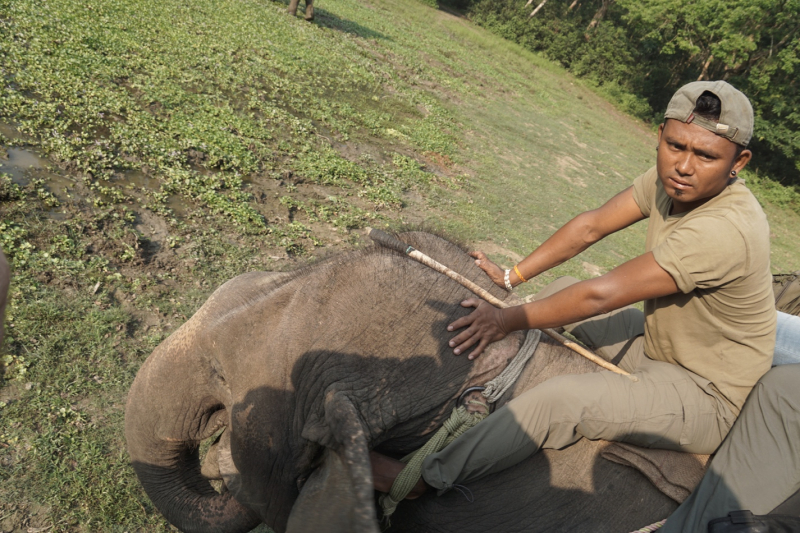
[24, 518]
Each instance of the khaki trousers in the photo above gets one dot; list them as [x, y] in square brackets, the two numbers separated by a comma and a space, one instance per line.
[668, 407]
[758, 465]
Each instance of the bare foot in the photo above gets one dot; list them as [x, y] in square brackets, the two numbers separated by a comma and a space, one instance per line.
[385, 470]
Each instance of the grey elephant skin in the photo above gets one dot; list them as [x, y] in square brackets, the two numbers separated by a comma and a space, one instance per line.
[304, 372]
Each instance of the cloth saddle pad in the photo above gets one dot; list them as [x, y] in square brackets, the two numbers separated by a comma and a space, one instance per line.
[676, 474]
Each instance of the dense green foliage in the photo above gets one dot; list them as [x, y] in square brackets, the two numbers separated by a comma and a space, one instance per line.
[640, 51]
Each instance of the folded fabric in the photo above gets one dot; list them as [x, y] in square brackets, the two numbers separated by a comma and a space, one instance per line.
[676, 474]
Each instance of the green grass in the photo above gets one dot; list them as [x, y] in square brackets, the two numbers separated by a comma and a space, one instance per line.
[191, 142]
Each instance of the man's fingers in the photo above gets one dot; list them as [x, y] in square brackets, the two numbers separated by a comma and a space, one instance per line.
[465, 344]
[479, 350]
[465, 320]
[477, 254]
[461, 337]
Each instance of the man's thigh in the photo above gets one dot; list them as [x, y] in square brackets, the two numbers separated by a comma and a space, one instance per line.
[663, 409]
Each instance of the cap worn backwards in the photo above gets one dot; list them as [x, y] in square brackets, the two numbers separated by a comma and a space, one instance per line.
[735, 119]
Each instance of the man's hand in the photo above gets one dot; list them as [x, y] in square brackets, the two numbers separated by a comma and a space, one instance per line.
[484, 326]
[495, 273]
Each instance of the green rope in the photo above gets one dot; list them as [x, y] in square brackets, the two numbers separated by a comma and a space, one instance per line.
[459, 422]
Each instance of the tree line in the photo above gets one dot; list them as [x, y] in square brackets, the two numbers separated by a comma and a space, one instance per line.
[638, 52]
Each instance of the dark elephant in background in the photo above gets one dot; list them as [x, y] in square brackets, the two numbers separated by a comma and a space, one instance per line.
[309, 8]
[304, 372]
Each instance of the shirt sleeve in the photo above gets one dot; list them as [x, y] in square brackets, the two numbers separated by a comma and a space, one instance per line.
[644, 191]
[703, 253]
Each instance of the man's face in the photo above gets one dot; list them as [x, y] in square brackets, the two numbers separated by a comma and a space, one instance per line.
[694, 164]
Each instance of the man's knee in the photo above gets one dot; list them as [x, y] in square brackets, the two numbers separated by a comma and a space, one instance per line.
[779, 385]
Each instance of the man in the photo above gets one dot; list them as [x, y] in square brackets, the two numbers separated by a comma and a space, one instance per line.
[757, 467]
[708, 330]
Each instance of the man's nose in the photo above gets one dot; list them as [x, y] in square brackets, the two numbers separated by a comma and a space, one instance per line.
[685, 165]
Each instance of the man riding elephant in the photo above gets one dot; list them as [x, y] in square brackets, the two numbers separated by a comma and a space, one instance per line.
[708, 330]
[297, 375]
[757, 468]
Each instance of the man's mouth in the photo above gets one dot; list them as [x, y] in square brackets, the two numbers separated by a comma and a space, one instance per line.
[680, 185]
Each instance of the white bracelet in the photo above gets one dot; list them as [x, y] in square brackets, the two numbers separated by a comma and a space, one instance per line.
[508, 281]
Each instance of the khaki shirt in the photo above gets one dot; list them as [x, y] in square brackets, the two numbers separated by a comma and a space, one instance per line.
[721, 326]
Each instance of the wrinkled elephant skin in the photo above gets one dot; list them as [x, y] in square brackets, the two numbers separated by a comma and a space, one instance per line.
[305, 372]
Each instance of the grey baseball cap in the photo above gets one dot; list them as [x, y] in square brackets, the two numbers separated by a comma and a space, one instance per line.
[735, 119]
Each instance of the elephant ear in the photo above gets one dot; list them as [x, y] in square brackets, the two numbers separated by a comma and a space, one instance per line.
[338, 496]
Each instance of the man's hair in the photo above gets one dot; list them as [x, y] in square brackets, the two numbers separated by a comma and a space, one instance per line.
[709, 106]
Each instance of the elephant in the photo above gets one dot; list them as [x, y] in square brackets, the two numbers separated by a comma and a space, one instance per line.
[296, 376]
[309, 8]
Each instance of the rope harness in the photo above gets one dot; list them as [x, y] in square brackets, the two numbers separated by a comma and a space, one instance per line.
[459, 422]
[651, 527]
[499, 385]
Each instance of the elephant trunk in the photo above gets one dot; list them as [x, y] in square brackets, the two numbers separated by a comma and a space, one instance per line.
[164, 425]
[186, 498]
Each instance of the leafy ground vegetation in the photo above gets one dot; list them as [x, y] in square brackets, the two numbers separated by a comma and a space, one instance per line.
[152, 150]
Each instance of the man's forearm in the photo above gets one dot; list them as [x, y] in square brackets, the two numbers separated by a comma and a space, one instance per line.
[639, 279]
[579, 233]
[570, 240]
[570, 305]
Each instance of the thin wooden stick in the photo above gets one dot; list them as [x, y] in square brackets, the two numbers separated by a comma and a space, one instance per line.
[384, 239]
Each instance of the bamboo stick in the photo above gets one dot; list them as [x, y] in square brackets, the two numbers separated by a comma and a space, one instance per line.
[384, 239]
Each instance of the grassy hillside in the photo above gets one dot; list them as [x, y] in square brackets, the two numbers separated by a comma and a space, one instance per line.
[152, 150]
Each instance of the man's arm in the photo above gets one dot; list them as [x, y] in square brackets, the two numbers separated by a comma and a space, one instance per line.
[574, 237]
[638, 279]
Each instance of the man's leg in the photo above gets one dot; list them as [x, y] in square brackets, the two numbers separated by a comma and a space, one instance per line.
[758, 465]
[663, 409]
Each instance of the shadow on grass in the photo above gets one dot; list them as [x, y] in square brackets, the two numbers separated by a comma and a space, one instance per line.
[326, 19]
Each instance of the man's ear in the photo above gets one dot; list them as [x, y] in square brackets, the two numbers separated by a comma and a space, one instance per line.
[741, 160]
